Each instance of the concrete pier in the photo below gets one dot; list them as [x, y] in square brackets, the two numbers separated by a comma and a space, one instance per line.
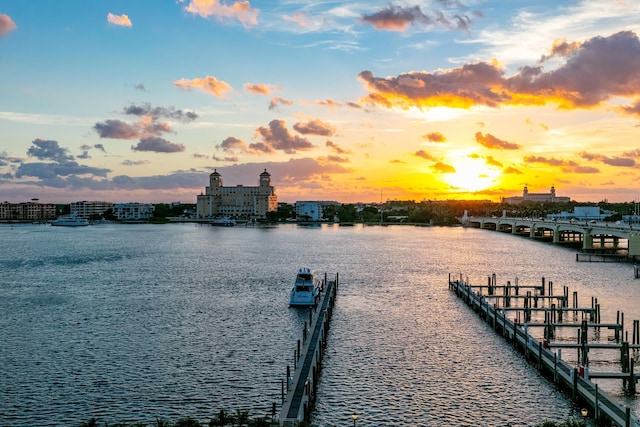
[302, 385]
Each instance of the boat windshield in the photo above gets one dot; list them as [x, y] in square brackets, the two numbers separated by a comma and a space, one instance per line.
[303, 288]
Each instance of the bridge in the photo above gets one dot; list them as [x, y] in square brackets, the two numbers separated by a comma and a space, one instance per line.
[590, 236]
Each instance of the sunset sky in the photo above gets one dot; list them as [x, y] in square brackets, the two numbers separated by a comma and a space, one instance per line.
[359, 101]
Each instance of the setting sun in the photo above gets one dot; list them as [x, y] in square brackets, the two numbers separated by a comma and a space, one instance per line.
[472, 173]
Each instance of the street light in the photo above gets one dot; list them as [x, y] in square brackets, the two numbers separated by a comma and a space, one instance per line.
[355, 417]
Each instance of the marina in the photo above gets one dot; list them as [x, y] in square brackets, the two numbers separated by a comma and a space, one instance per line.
[576, 379]
[194, 336]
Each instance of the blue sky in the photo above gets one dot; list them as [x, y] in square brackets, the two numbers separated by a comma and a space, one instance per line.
[141, 101]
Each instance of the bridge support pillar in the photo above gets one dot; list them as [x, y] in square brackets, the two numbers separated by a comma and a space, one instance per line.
[556, 235]
[634, 243]
[587, 243]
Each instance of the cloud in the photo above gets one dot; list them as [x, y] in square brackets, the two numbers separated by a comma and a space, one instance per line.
[240, 10]
[434, 137]
[423, 154]
[99, 147]
[158, 112]
[260, 88]
[158, 145]
[440, 167]
[399, 18]
[6, 25]
[278, 101]
[48, 150]
[491, 161]
[61, 164]
[232, 144]
[119, 20]
[632, 109]
[116, 129]
[511, 171]
[300, 19]
[148, 128]
[278, 137]
[134, 162]
[315, 127]
[492, 142]
[208, 84]
[598, 70]
[336, 148]
[626, 162]
[567, 166]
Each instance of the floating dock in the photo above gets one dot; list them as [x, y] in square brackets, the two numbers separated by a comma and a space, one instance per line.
[302, 385]
[575, 379]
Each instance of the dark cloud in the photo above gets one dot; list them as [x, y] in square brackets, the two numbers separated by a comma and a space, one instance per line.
[627, 162]
[491, 141]
[434, 137]
[158, 145]
[399, 18]
[278, 137]
[598, 70]
[315, 127]
[158, 112]
[99, 147]
[567, 166]
[116, 129]
[56, 170]
[336, 148]
[48, 150]
[134, 162]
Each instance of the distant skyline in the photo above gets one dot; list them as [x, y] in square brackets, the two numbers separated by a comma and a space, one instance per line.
[349, 101]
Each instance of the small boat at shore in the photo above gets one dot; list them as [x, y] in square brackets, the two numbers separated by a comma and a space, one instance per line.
[306, 289]
[69, 221]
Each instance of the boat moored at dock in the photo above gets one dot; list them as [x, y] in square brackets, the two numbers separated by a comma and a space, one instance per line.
[69, 221]
[306, 288]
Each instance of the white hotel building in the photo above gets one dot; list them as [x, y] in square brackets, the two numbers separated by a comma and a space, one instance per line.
[237, 202]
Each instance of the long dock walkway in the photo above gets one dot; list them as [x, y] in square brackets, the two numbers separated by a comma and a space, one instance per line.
[601, 405]
[301, 387]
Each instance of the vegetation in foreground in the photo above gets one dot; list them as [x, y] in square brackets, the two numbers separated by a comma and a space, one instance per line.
[242, 419]
[222, 418]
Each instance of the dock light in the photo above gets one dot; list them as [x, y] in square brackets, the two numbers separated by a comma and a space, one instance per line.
[355, 417]
[584, 412]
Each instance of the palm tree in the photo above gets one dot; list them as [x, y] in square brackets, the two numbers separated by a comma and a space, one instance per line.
[242, 417]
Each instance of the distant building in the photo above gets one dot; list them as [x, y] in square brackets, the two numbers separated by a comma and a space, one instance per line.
[312, 211]
[133, 211]
[549, 197]
[86, 209]
[238, 202]
[584, 213]
[28, 211]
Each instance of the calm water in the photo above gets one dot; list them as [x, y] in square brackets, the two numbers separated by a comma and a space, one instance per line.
[133, 322]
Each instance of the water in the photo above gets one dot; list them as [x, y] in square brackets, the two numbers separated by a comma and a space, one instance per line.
[130, 323]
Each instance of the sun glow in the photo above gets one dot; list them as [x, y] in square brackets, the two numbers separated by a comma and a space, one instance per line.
[472, 174]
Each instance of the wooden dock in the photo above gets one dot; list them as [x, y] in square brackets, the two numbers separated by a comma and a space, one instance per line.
[601, 406]
[302, 385]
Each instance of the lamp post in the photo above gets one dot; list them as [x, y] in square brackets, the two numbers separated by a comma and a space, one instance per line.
[584, 412]
[355, 417]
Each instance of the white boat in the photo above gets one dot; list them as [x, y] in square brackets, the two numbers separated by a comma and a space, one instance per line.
[306, 289]
[69, 221]
[223, 222]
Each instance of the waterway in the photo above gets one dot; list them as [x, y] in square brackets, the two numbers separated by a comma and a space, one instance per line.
[130, 323]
